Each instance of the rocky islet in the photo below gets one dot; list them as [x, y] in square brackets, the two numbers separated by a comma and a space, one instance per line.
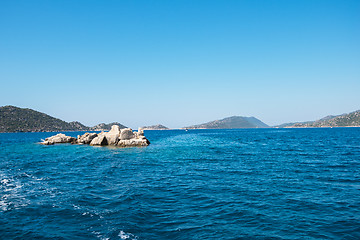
[115, 137]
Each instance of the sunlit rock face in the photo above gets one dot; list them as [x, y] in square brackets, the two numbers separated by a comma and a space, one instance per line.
[115, 137]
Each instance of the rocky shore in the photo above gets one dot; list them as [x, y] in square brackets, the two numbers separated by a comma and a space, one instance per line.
[115, 137]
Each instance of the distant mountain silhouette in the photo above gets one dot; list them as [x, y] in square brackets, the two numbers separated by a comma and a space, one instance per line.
[231, 122]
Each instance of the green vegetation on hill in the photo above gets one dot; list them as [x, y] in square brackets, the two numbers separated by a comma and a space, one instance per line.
[15, 119]
[79, 126]
[106, 127]
[345, 120]
[231, 122]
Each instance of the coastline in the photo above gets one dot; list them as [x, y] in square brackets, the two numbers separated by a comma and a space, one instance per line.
[58, 131]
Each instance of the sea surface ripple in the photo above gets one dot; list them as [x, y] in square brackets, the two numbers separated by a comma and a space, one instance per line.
[196, 184]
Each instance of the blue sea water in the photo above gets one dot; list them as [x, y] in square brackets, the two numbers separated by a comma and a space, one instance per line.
[196, 184]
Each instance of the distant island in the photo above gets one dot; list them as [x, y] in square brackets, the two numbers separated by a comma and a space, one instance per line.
[344, 120]
[155, 127]
[231, 122]
[15, 119]
[106, 127]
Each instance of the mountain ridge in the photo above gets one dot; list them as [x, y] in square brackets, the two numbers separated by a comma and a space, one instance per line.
[16, 119]
[351, 119]
[231, 122]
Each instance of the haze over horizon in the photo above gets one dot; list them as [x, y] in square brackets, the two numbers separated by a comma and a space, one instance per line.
[180, 63]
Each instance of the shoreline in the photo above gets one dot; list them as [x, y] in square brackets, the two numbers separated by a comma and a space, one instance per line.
[183, 129]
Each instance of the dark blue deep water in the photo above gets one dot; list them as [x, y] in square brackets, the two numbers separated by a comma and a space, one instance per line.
[200, 184]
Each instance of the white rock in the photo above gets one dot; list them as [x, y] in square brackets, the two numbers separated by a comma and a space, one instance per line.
[126, 134]
[58, 138]
[113, 135]
[86, 138]
[140, 132]
[100, 140]
[133, 143]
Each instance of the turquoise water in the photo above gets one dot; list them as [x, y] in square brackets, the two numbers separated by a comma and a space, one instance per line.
[199, 184]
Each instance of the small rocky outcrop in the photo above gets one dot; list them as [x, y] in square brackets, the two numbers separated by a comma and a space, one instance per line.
[133, 143]
[115, 137]
[58, 138]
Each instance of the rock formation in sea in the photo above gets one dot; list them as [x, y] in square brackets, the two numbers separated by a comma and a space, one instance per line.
[115, 137]
[58, 138]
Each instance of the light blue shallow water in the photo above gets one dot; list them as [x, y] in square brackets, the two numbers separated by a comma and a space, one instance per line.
[200, 184]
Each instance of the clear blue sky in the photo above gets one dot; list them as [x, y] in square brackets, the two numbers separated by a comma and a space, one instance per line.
[181, 62]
